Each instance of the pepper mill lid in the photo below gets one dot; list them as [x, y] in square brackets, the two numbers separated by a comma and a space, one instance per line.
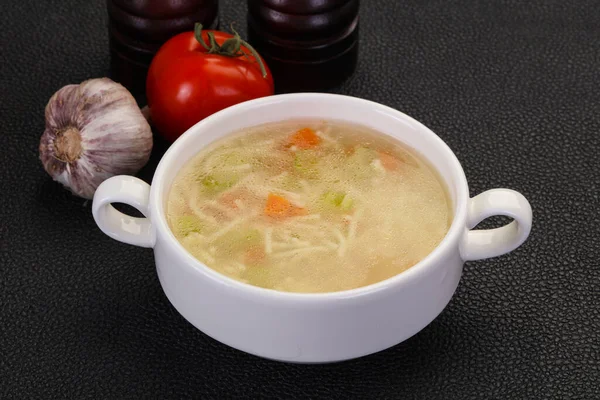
[308, 44]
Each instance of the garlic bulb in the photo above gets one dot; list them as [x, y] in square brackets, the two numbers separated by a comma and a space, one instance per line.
[94, 130]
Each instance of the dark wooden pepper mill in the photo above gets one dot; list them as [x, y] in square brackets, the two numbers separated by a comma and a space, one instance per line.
[137, 29]
[310, 45]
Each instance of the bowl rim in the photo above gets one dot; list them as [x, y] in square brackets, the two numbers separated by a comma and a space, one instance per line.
[450, 240]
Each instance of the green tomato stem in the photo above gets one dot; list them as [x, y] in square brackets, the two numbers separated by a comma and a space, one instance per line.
[230, 48]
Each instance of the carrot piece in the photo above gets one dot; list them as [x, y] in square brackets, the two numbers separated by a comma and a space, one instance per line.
[305, 138]
[279, 207]
[389, 162]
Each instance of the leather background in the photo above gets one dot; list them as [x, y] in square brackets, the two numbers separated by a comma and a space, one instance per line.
[512, 86]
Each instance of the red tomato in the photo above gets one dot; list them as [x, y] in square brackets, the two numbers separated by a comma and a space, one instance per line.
[187, 84]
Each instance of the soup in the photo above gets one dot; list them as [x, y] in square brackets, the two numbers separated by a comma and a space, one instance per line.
[308, 206]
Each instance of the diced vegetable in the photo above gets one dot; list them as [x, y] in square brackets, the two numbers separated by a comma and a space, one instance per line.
[277, 206]
[305, 138]
[305, 163]
[217, 182]
[389, 162]
[347, 203]
[280, 207]
[187, 224]
[334, 198]
[338, 200]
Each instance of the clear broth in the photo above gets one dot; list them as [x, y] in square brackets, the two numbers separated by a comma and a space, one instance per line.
[339, 208]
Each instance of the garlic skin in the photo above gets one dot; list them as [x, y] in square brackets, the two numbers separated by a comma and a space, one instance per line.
[94, 130]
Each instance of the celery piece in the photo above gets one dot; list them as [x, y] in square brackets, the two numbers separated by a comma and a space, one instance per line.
[338, 200]
[219, 181]
[347, 203]
[334, 198]
[187, 224]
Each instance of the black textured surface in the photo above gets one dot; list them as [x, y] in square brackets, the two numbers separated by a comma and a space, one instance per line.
[512, 86]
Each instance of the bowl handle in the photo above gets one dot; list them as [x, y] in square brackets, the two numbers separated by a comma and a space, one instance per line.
[129, 190]
[480, 244]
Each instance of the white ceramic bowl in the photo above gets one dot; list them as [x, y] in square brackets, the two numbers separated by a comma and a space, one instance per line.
[311, 327]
